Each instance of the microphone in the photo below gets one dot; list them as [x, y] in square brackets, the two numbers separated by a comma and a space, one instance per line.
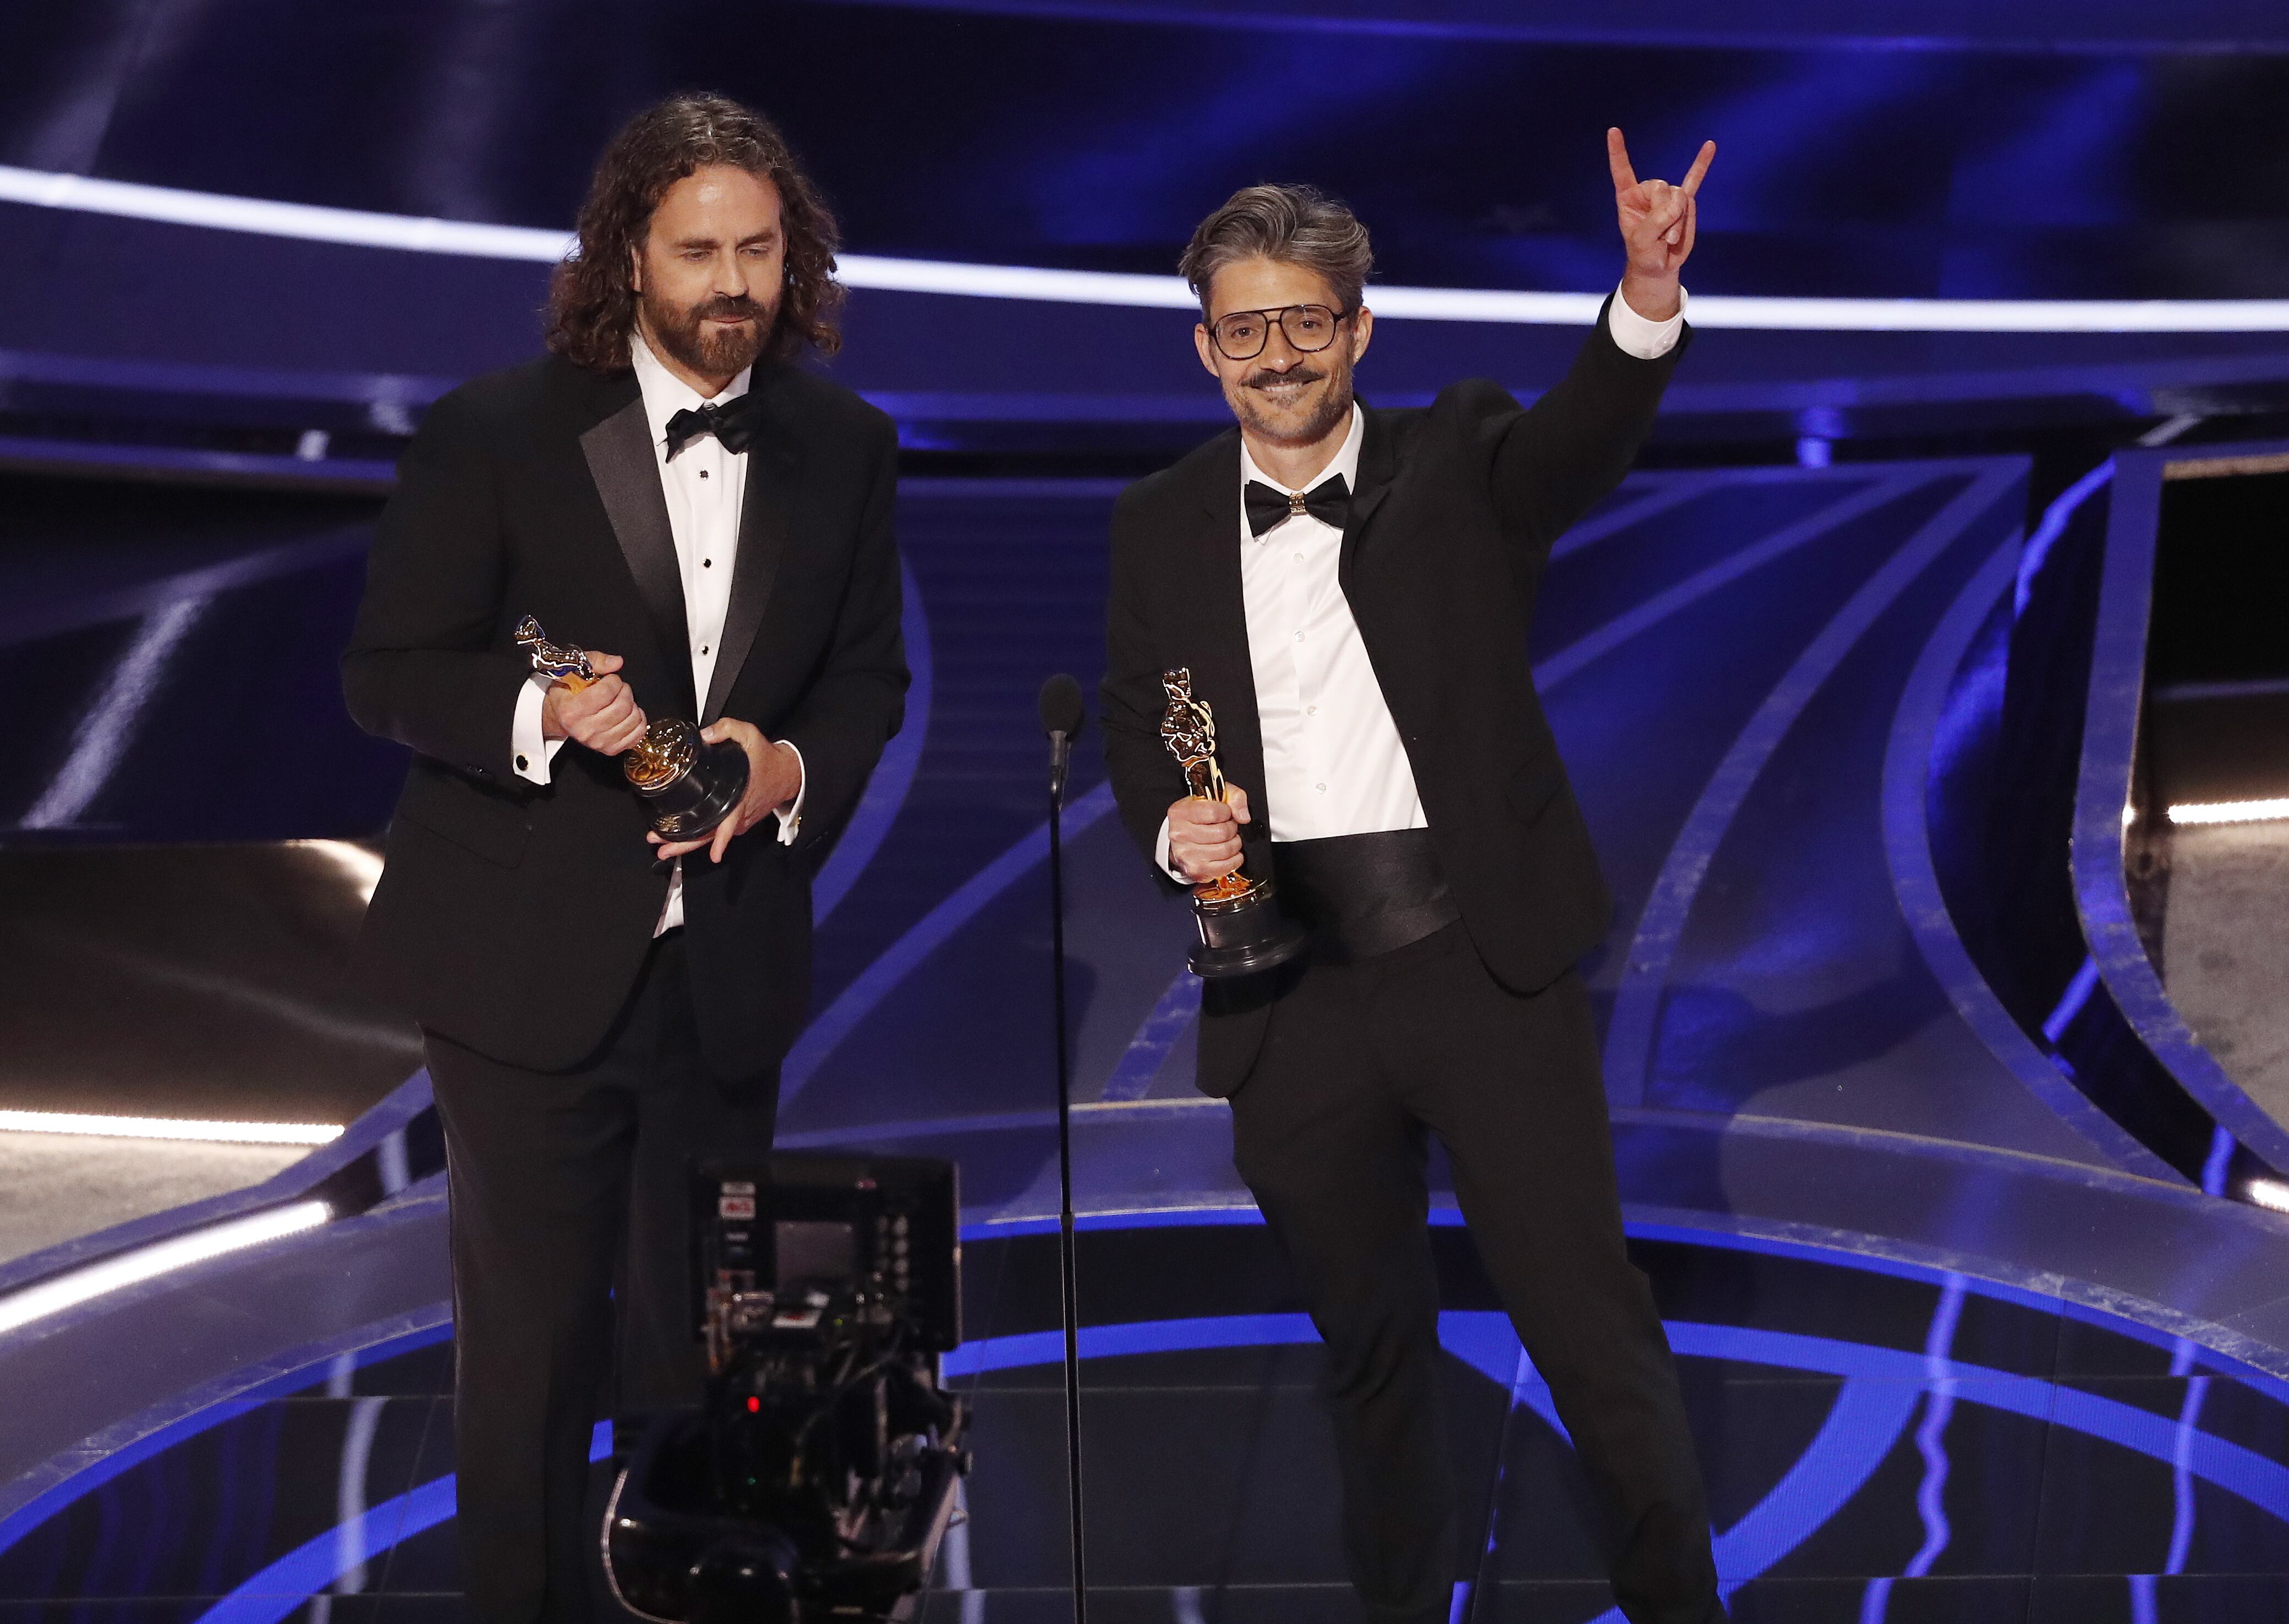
[1062, 716]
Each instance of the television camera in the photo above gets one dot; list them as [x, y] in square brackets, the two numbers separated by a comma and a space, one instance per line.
[818, 1478]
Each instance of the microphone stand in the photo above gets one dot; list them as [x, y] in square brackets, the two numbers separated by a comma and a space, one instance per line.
[1060, 748]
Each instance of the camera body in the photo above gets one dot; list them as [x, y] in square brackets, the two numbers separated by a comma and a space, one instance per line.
[818, 1477]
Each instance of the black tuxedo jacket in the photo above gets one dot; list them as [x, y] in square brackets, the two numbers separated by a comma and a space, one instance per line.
[1456, 508]
[512, 917]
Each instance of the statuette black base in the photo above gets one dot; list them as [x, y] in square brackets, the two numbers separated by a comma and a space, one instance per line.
[693, 802]
[1244, 936]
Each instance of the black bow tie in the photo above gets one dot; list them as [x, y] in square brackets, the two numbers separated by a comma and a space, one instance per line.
[734, 422]
[1268, 505]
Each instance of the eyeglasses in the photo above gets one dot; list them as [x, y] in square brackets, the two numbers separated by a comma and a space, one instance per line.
[1242, 334]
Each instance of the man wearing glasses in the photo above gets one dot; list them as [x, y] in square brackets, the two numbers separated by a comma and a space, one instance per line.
[1351, 589]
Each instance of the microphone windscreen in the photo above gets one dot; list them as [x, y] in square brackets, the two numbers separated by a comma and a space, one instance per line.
[1061, 706]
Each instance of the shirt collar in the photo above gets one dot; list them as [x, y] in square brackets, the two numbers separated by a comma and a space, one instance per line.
[664, 393]
[1345, 462]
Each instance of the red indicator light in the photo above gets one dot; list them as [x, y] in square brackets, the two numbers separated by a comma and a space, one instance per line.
[754, 1405]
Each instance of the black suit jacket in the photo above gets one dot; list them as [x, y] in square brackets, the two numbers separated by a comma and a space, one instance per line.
[1456, 508]
[512, 917]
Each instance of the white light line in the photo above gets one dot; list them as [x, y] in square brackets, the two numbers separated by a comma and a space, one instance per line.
[1036, 282]
[307, 222]
[362, 228]
[2228, 811]
[148, 1262]
[2268, 1192]
[168, 1127]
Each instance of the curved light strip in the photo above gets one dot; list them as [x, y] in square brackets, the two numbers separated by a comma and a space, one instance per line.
[1633, 1028]
[263, 217]
[363, 228]
[168, 1127]
[36, 1302]
[2228, 811]
[1903, 803]
[1853, 503]
[886, 791]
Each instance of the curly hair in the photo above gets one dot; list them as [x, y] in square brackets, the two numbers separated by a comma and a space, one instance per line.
[1296, 225]
[592, 301]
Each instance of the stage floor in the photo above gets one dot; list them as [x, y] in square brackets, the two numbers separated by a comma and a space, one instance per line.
[1881, 1443]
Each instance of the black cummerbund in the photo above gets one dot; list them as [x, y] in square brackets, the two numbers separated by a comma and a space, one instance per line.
[1361, 894]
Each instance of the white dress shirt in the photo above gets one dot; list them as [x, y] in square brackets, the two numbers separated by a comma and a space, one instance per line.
[1334, 763]
[704, 485]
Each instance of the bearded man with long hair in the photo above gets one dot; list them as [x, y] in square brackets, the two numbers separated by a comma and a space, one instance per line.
[669, 489]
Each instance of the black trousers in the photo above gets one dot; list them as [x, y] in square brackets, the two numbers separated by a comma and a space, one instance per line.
[1360, 1062]
[559, 1183]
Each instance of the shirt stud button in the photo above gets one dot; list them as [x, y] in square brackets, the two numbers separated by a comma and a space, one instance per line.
[1299, 637]
[703, 648]
[1320, 787]
[707, 563]
[1311, 710]
[703, 474]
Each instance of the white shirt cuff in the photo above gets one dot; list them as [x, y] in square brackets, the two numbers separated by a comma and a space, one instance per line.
[1161, 856]
[1636, 336]
[790, 816]
[531, 753]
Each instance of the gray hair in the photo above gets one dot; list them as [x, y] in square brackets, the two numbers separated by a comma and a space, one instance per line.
[1296, 225]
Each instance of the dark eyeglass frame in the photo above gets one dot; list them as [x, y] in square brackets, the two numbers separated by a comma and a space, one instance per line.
[1276, 313]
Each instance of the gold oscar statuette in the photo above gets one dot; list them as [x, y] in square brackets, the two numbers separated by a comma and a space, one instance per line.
[691, 785]
[1242, 929]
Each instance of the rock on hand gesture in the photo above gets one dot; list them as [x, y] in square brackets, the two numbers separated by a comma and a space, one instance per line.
[1657, 224]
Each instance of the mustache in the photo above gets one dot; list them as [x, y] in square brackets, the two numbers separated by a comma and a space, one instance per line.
[726, 307]
[1266, 377]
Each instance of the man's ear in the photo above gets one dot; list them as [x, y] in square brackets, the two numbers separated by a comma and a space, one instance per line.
[1362, 332]
[1200, 343]
[635, 267]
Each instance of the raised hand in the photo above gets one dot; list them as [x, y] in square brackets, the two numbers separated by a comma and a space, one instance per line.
[1657, 224]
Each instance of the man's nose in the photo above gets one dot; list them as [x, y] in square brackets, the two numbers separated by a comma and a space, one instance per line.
[731, 277]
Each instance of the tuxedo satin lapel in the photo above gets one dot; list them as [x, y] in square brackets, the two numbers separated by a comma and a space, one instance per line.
[619, 453]
[1222, 674]
[1378, 465]
[774, 473]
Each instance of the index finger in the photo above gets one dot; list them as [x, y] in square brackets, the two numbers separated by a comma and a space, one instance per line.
[1617, 159]
[1692, 182]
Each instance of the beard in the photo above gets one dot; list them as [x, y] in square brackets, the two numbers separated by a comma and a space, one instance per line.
[683, 331]
[1302, 422]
